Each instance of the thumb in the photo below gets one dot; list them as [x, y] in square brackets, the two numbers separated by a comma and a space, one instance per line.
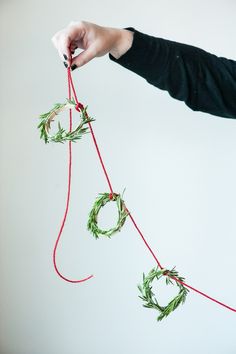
[84, 57]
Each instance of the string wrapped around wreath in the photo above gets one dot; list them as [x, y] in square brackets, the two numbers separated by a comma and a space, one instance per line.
[62, 135]
[100, 202]
[148, 295]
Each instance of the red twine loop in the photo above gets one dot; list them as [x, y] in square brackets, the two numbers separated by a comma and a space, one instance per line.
[78, 107]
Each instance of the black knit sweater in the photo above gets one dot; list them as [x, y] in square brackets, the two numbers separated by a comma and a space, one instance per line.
[204, 81]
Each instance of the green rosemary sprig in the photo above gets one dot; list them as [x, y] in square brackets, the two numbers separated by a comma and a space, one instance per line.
[100, 201]
[62, 135]
[149, 298]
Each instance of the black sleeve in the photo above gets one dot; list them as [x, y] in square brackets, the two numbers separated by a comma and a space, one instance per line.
[204, 81]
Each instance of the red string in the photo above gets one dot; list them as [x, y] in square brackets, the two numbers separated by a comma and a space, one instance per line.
[79, 107]
[67, 200]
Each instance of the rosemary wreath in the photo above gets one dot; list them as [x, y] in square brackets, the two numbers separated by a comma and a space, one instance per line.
[100, 201]
[62, 135]
[148, 295]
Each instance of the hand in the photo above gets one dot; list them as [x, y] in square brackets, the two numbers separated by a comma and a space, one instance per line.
[94, 40]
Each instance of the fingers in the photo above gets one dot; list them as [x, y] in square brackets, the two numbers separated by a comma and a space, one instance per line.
[64, 48]
[84, 57]
[94, 41]
[65, 40]
[55, 41]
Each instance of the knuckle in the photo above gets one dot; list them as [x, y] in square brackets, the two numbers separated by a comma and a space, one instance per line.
[53, 39]
[74, 23]
[56, 37]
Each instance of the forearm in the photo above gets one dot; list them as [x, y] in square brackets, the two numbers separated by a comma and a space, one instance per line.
[202, 80]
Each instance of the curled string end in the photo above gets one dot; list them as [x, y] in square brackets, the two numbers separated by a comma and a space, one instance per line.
[85, 279]
[62, 276]
[71, 280]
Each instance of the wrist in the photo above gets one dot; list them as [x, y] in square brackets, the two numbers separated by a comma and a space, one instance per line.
[123, 42]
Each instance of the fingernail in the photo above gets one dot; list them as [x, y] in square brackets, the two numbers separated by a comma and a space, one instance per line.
[66, 65]
[65, 56]
[73, 67]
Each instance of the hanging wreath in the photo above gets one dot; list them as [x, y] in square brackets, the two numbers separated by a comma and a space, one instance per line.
[148, 295]
[100, 202]
[62, 135]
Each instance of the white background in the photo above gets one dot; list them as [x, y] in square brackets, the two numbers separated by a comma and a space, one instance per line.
[178, 167]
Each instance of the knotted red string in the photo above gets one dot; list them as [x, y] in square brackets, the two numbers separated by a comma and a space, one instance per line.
[79, 106]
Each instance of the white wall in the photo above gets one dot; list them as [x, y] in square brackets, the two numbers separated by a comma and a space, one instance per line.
[178, 167]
